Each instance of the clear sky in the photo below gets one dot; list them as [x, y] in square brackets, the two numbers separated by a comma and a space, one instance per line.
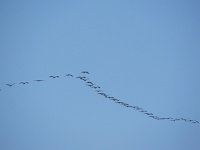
[146, 53]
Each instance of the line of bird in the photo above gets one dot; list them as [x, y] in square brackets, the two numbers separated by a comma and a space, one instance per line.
[40, 80]
[99, 91]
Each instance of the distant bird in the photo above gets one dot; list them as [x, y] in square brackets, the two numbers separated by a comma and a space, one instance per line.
[10, 85]
[137, 108]
[69, 75]
[183, 119]
[98, 90]
[165, 118]
[101, 93]
[128, 106]
[90, 85]
[86, 72]
[176, 119]
[155, 117]
[24, 83]
[82, 78]
[143, 111]
[110, 97]
[90, 82]
[38, 80]
[114, 99]
[53, 77]
[148, 113]
[105, 95]
[119, 102]
[125, 104]
[96, 87]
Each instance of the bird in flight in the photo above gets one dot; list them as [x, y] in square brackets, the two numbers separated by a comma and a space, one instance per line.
[82, 78]
[97, 87]
[24, 83]
[148, 113]
[86, 72]
[10, 85]
[99, 91]
[90, 82]
[38, 80]
[111, 97]
[69, 75]
[53, 77]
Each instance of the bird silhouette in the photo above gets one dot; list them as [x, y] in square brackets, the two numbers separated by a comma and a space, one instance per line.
[119, 102]
[96, 87]
[10, 85]
[143, 111]
[148, 113]
[24, 83]
[69, 75]
[90, 85]
[38, 80]
[98, 90]
[90, 82]
[105, 95]
[183, 119]
[110, 97]
[53, 77]
[125, 104]
[155, 117]
[176, 119]
[165, 118]
[114, 99]
[86, 72]
[82, 78]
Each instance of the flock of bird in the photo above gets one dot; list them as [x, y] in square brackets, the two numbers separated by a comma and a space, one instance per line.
[83, 77]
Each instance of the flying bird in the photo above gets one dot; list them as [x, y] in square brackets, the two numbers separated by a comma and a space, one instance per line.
[24, 83]
[38, 80]
[53, 77]
[86, 72]
[105, 95]
[90, 85]
[110, 97]
[148, 113]
[175, 119]
[90, 82]
[99, 91]
[155, 117]
[10, 85]
[120, 102]
[82, 78]
[97, 87]
[114, 99]
[143, 111]
[69, 75]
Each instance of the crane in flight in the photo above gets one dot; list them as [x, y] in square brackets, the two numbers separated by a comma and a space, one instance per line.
[69, 75]
[86, 72]
[24, 83]
[53, 77]
[38, 80]
[10, 85]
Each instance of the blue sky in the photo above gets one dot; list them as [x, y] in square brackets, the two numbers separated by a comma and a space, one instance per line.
[145, 53]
